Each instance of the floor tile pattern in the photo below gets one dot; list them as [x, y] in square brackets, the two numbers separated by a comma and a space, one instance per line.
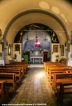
[35, 90]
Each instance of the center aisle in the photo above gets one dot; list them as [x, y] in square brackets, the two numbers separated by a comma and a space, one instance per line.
[35, 89]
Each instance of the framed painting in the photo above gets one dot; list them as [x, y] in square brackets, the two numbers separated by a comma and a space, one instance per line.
[17, 47]
[55, 48]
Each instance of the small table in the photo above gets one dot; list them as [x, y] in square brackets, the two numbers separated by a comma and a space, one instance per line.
[40, 58]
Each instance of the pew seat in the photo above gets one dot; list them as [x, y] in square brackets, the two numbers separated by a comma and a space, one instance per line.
[10, 80]
[3, 93]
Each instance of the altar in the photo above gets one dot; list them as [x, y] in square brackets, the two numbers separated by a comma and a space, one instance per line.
[35, 59]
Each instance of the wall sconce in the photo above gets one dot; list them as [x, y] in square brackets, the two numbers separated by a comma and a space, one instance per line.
[37, 42]
[36, 38]
[0, 32]
[45, 38]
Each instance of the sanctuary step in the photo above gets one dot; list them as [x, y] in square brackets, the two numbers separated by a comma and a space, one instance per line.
[35, 65]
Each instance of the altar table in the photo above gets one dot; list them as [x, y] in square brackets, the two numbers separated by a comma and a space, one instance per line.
[40, 59]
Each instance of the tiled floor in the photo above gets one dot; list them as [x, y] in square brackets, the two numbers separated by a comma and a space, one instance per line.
[35, 90]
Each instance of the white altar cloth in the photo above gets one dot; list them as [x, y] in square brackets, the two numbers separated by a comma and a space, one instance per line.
[40, 59]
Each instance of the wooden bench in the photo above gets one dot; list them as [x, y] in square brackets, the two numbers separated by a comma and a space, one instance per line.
[50, 74]
[3, 93]
[16, 66]
[57, 70]
[49, 65]
[62, 84]
[17, 72]
[13, 68]
[25, 64]
[10, 80]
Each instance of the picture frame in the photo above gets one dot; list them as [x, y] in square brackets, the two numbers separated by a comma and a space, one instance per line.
[17, 47]
[55, 48]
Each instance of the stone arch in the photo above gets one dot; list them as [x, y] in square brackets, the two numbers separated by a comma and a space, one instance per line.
[34, 11]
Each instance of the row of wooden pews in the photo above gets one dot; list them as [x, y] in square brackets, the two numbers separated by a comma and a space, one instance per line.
[10, 77]
[60, 77]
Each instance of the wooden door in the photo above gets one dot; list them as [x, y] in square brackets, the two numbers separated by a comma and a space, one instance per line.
[45, 56]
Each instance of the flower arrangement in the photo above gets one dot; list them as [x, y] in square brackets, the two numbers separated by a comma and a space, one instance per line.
[32, 50]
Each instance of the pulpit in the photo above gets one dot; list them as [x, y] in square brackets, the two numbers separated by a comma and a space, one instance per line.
[45, 56]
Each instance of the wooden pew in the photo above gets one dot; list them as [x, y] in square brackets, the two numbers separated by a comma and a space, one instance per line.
[62, 84]
[16, 66]
[57, 70]
[17, 72]
[50, 65]
[3, 94]
[50, 74]
[24, 64]
[64, 78]
[13, 68]
[10, 80]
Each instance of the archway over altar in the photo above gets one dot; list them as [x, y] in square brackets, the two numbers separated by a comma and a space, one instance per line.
[36, 42]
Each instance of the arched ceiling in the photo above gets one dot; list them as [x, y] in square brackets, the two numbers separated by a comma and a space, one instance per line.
[11, 8]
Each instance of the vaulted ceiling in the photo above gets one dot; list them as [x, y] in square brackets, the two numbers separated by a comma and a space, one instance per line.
[15, 14]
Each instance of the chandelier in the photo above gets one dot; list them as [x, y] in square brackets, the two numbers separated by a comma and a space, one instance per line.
[27, 38]
[37, 42]
[45, 38]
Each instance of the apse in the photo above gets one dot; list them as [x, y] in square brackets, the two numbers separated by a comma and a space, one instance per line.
[36, 40]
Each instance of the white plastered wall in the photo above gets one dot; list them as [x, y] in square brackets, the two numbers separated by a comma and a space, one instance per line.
[18, 53]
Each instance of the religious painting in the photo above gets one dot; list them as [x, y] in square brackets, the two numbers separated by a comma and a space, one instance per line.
[55, 48]
[17, 47]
